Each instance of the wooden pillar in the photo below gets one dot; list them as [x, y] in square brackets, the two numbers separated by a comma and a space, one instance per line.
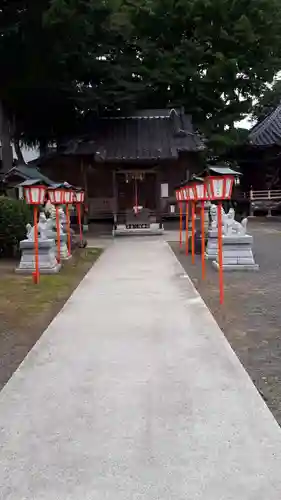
[115, 199]
[251, 214]
[20, 193]
[158, 199]
[84, 173]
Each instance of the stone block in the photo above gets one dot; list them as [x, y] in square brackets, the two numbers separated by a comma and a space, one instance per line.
[47, 251]
[240, 240]
[237, 253]
[237, 267]
[123, 230]
[212, 245]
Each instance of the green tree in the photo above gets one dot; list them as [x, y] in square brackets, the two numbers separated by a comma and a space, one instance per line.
[268, 101]
[45, 51]
[14, 215]
[211, 56]
[77, 57]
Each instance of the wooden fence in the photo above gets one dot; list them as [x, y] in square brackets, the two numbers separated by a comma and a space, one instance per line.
[266, 194]
[266, 199]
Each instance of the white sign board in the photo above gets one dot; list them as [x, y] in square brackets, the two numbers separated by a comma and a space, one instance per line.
[164, 190]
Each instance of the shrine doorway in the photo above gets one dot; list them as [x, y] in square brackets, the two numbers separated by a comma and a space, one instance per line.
[136, 197]
[136, 189]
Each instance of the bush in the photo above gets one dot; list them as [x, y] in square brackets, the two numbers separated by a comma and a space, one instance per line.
[14, 215]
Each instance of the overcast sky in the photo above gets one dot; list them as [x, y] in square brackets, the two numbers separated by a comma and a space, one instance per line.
[246, 123]
[29, 154]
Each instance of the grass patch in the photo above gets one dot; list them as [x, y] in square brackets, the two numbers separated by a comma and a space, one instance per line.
[21, 301]
[27, 309]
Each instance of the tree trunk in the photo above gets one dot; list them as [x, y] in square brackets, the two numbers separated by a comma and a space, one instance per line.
[18, 151]
[5, 136]
[43, 147]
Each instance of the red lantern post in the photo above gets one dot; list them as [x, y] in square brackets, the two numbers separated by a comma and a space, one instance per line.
[181, 225]
[192, 199]
[201, 195]
[179, 200]
[69, 197]
[35, 195]
[57, 197]
[219, 188]
[186, 230]
[79, 199]
[185, 192]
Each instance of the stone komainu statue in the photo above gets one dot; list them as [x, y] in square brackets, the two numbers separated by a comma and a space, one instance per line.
[230, 225]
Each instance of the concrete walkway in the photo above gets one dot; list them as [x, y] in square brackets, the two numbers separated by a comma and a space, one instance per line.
[133, 393]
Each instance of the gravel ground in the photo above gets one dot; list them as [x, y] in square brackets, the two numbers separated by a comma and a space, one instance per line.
[251, 315]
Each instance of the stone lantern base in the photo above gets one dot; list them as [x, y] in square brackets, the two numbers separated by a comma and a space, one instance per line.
[237, 254]
[47, 251]
[212, 245]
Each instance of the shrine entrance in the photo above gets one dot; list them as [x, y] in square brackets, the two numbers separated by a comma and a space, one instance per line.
[136, 199]
[136, 189]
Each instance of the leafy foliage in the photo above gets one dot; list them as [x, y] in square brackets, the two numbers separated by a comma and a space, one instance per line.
[268, 101]
[14, 215]
[210, 56]
[71, 58]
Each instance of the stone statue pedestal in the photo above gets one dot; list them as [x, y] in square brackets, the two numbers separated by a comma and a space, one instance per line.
[237, 253]
[63, 244]
[212, 245]
[207, 205]
[48, 263]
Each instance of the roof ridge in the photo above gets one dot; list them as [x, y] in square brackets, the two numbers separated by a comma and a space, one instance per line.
[129, 117]
[260, 127]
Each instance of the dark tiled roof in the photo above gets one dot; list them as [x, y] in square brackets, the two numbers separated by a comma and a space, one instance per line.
[223, 170]
[27, 173]
[147, 135]
[268, 131]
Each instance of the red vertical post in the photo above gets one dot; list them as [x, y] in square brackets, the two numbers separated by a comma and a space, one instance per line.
[203, 240]
[220, 255]
[36, 273]
[186, 229]
[80, 223]
[193, 232]
[58, 233]
[68, 230]
[180, 224]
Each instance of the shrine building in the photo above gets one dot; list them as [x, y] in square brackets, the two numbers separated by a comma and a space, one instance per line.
[129, 161]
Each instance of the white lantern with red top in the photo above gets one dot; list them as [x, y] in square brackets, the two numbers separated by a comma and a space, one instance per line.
[56, 195]
[79, 199]
[34, 194]
[184, 194]
[178, 195]
[191, 193]
[80, 196]
[200, 191]
[69, 196]
[219, 187]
